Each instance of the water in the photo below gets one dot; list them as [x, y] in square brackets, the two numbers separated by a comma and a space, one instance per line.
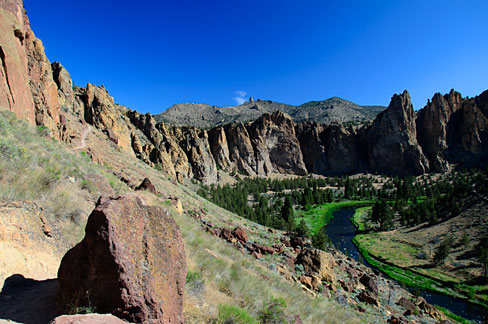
[341, 231]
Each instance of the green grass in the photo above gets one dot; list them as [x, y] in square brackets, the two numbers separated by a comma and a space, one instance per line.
[358, 218]
[414, 279]
[404, 276]
[234, 314]
[453, 316]
[319, 215]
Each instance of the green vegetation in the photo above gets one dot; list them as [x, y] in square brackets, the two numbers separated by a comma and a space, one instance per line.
[234, 314]
[482, 254]
[318, 216]
[443, 250]
[273, 312]
[359, 215]
[405, 276]
[453, 316]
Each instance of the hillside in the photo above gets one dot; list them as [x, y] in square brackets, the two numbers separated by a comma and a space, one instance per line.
[333, 110]
[68, 152]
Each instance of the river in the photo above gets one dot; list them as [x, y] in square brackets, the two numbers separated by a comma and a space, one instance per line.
[341, 231]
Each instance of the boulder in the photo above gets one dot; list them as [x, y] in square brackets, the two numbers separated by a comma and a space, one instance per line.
[407, 304]
[88, 319]
[146, 184]
[264, 249]
[429, 309]
[368, 298]
[317, 262]
[369, 283]
[226, 234]
[297, 242]
[240, 234]
[131, 263]
[311, 282]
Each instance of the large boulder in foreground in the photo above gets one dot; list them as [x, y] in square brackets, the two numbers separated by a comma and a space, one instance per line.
[131, 263]
[88, 319]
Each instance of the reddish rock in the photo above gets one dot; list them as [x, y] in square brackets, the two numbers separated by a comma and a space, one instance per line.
[407, 304]
[264, 249]
[297, 242]
[297, 320]
[131, 263]
[285, 240]
[111, 135]
[146, 184]
[240, 234]
[226, 234]
[256, 254]
[396, 320]
[367, 297]
[279, 248]
[88, 319]
[369, 283]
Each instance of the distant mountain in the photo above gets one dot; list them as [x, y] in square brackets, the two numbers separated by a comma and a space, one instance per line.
[327, 111]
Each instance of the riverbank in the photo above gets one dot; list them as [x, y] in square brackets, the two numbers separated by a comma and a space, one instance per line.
[399, 260]
[317, 217]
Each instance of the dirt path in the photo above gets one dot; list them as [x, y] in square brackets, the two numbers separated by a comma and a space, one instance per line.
[83, 138]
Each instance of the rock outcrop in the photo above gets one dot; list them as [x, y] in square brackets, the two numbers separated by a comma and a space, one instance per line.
[449, 130]
[318, 263]
[27, 87]
[391, 140]
[131, 263]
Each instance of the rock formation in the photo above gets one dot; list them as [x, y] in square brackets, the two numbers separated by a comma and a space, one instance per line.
[131, 263]
[391, 140]
[26, 79]
[449, 130]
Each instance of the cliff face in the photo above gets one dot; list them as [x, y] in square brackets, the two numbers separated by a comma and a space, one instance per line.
[391, 140]
[449, 130]
[27, 87]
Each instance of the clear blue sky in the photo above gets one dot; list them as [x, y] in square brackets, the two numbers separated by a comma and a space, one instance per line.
[152, 54]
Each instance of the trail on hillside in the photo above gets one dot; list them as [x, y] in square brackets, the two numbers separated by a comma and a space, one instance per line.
[83, 138]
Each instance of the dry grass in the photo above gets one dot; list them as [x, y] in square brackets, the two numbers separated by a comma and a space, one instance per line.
[38, 169]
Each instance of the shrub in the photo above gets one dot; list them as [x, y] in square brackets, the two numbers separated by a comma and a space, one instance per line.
[229, 314]
[273, 311]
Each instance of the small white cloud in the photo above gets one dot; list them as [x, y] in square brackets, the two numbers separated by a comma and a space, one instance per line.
[241, 93]
[240, 99]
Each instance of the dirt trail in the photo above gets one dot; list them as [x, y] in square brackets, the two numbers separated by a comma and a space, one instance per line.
[83, 138]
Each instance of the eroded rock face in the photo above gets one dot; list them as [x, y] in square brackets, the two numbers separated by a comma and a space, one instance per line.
[26, 79]
[131, 263]
[433, 125]
[275, 145]
[392, 140]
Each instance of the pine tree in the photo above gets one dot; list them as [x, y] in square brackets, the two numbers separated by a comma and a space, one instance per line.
[287, 210]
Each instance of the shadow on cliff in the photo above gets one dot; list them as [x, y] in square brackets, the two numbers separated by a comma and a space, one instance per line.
[29, 301]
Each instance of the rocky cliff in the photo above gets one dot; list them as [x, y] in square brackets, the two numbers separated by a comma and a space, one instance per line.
[448, 130]
[26, 78]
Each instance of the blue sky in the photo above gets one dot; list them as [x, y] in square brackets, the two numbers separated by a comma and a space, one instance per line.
[152, 54]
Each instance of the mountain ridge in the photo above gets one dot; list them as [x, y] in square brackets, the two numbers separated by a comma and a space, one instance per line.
[332, 110]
